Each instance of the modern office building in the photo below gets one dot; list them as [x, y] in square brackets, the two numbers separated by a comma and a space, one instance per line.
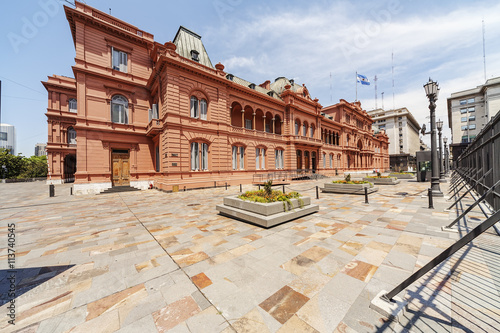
[8, 138]
[403, 132]
[469, 111]
[40, 149]
[139, 112]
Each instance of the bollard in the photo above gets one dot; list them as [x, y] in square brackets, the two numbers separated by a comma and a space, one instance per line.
[184, 188]
[317, 193]
[283, 188]
[215, 184]
[259, 187]
[429, 194]
[240, 188]
[366, 195]
[226, 186]
[52, 190]
[71, 190]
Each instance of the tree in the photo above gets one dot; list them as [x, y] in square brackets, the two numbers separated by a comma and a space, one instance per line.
[34, 166]
[11, 165]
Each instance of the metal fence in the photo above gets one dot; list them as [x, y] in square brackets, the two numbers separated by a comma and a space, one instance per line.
[479, 164]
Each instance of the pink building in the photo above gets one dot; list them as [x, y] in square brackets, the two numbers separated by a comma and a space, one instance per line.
[139, 112]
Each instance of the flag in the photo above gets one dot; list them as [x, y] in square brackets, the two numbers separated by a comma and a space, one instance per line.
[363, 79]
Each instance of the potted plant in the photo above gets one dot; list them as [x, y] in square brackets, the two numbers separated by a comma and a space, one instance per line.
[267, 207]
[348, 186]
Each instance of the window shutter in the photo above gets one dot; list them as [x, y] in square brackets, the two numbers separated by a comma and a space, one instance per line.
[204, 156]
[263, 151]
[123, 62]
[257, 162]
[234, 157]
[155, 111]
[242, 158]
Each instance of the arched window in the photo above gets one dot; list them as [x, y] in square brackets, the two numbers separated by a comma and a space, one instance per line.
[72, 105]
[198, 108]
[304, 129]
[71, 136]
[297, 127]
[260, 158]
[119, 109]
[311, 131]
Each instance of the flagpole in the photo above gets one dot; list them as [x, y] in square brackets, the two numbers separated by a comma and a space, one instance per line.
[356, 86]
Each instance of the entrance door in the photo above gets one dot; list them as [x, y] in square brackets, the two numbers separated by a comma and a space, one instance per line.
[299, 159]
[313, 161]
[121, 168]
[306, 162]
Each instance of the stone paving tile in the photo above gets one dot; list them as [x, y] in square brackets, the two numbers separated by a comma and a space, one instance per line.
[128, 262]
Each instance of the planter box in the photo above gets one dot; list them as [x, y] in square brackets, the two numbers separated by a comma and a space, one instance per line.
[383, 181]
[402, 176]
[348, 188]
[265, 214]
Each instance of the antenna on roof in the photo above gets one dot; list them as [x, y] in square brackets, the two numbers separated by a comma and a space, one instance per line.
[110, 11]
[375, 79]
[331, 98]
[393, 104]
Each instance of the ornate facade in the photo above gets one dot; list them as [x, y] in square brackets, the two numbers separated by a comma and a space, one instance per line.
[140, 112]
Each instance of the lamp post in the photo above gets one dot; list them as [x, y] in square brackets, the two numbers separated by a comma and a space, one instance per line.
[446, 158]
[439, 125]
[432, 91]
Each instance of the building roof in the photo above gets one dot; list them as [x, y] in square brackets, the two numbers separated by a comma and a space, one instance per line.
[384, 114]
[186, 42]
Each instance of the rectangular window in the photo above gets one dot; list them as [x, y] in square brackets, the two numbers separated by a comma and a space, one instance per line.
[278, 159]
[472, 126]
[464, 110]
[3, 136]
[472, 118]
[470, 101]
[72, 105]
[463, 102]
[331, 161]
[248, 123]
[195, 156]
[463, 119]
[324, 161]
[257, 158]
[235, 157]
[464, 127]
[119, 60]
[465, 139]
[242, 158]
[472, 109]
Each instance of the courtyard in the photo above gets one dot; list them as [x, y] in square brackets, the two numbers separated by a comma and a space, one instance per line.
[151, 261]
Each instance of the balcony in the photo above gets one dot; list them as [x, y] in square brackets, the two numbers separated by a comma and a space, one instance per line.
[307, 140]
[251, 132]
[154, 127]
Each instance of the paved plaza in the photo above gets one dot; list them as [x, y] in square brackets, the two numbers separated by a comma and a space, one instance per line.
[150, 261]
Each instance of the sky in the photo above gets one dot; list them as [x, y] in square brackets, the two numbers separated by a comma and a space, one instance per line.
[321, 44]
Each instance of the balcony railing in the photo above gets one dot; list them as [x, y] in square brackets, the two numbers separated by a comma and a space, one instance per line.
[154, 127]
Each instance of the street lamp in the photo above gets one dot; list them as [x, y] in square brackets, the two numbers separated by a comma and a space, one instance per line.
[432, 91]
[439, 125]
[446, 158]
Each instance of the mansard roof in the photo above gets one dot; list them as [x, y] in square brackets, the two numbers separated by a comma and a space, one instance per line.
[188, 42]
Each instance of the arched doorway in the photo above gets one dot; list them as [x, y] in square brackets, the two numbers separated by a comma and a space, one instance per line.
[69, 168]
[306, 160]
